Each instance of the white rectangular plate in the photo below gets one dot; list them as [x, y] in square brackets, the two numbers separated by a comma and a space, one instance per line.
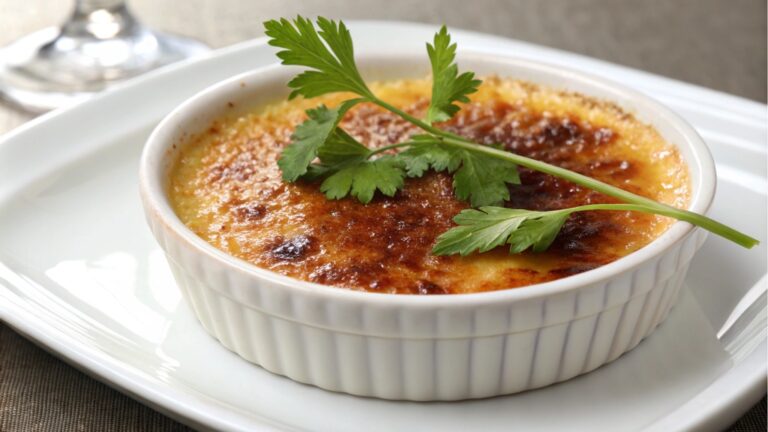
[81, 275]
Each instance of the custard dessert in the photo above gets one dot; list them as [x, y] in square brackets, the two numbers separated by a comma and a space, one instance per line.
[227, 188]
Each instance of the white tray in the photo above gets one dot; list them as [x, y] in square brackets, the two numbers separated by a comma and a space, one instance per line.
[81, 275]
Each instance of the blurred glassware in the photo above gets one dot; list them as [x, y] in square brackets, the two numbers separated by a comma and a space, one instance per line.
[101, 44]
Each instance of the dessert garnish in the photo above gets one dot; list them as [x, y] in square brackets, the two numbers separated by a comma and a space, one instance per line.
[320, 150]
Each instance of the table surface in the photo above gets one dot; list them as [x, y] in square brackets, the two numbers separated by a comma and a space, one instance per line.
[712, 43]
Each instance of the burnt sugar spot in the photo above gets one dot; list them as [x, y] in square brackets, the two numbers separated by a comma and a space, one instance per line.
[532, 134]
[584, 236]
[239, 169]
[292, 249]
[250, 212]
[425, 287]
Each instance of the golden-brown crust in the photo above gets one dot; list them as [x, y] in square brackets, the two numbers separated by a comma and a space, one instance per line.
[227, 188]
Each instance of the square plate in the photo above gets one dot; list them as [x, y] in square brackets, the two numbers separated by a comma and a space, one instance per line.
[81, 275]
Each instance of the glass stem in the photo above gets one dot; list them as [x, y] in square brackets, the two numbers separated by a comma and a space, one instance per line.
[85, 7]
[101, 19]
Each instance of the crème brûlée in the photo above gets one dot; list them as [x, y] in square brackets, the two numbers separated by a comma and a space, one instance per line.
[227, 188]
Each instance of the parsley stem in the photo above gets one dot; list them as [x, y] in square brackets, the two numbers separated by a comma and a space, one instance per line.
[637, 202]
[390, 147]
[415, 121]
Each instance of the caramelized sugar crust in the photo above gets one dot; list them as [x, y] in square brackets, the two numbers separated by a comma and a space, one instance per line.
[226, 187]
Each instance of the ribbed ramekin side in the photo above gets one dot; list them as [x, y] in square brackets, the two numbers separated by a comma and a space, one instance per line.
[434, 368]
[426, 369]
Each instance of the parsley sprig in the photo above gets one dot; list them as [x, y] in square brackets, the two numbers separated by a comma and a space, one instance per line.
[321, 150]
[447, 85]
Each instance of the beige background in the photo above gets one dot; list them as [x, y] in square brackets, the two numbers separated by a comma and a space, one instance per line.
[719, 44]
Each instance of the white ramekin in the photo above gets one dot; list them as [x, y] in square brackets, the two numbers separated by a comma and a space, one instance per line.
[423, 348]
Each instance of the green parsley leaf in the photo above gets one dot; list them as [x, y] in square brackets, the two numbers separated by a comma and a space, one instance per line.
[340, 148]
[481, 230]
[329, 53]
[309, 137]
[345, 166]
[482, 180]
[478, 178]
[305, 142]
[426, 154]
[537, 234]
[363, 178]
[447, 85]
[344, 161]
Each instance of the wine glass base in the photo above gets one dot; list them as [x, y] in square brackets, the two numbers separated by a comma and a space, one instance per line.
[48, 69]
